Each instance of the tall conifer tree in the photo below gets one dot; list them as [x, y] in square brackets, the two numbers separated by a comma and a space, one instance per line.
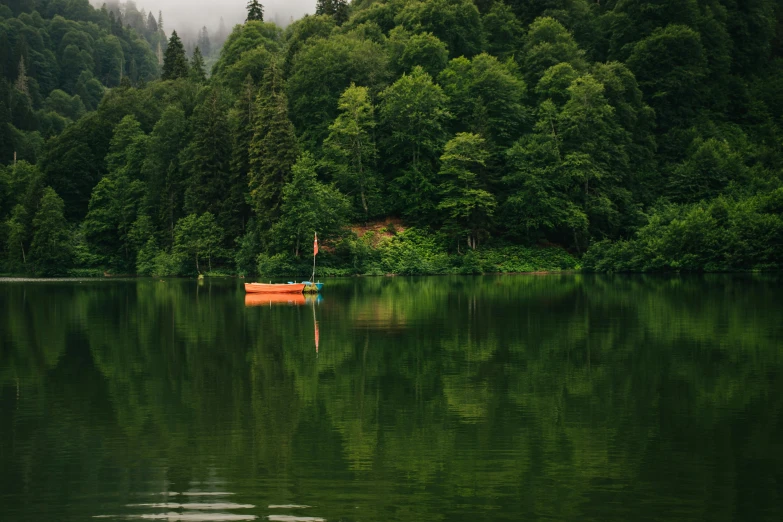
[242, 122]
[324, 7]
[273, 150]
[255, 11]
[206, 159]
[197, 72]
[175, 64]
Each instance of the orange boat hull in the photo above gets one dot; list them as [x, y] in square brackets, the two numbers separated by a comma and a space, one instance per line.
[267, 299]
[263, 288]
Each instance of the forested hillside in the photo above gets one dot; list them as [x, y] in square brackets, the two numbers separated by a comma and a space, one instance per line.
[494, 135]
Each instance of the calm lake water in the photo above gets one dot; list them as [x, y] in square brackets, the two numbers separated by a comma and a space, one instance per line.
[573, 398]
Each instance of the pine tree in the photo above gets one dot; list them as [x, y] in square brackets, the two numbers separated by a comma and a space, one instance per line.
[197, 72]
[203, 42]
[273, 150]
[324, 7]
[340, 11]
[241, 121]
[255, 11]
[160, 21]
[207, 157]
[175, 64]
[152, 24]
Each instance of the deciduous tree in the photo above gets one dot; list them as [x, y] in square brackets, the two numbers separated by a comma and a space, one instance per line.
[50, 251]
[350, 148]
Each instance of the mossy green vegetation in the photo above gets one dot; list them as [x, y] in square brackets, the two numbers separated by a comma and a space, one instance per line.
[414, 252]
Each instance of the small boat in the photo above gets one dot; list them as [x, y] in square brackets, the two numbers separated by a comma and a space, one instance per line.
[274, 288]
[269, 299]
[312, 288]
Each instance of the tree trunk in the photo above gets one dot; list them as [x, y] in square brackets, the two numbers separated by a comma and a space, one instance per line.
[24, 258]
[197, 268]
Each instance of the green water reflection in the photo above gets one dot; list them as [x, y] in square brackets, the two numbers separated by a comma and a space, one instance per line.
[467, 398]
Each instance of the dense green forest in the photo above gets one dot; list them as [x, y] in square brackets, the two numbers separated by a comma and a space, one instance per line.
[484, 135]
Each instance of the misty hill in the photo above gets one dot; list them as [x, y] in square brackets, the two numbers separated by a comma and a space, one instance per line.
[505, 136]
[56, 61]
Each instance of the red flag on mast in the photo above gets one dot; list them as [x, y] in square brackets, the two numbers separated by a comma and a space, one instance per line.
[315, 245]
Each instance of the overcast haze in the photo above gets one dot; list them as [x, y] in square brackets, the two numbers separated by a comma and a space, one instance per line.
[184, 15]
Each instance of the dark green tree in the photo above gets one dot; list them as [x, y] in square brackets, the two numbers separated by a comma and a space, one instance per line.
[308, 206]
[198, 236]
[486, 97]
[163, 171]
[466, 207]
[548, 43]
[455, 22]
[502, 31]
[324, 7]
[409, 50]
[175, 63]
[50, 251]
[413, 117]
[197, 69]
[17, 238]
[341, 11]
[350, 148]
[273, 149]
[206, 160]
[255, 11]
[115, 201]
[241, 120]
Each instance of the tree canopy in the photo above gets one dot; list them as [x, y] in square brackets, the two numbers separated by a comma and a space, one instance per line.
[541, 124]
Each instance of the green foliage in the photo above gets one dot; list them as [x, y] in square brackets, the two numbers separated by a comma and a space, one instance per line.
[338, 9]
[423, 49]
[502, 31]
[557, 122]
[413, 115]
[175, 64]
[195, 237]
[16, 239]
[352, 154]
[455, 22]
[197, 71]
[486, 97]
[206, 161]
[547, 44]
[308, 207]
[721, 235]
[320, 73]
[50, 251]
[466, 206]
[255, 11]
[246, 51]
[273, 149]
[670, 65]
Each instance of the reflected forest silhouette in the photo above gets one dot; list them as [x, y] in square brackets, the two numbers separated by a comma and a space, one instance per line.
[636, 398]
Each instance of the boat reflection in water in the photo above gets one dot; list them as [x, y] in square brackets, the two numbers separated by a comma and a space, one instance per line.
[280, 299]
